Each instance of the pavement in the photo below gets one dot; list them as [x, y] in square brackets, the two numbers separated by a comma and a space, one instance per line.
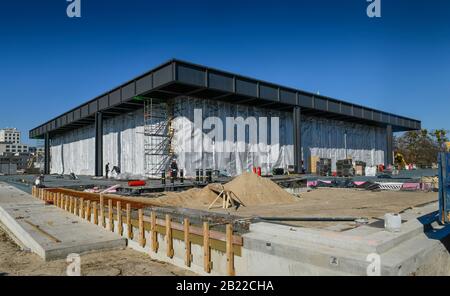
[48, 231]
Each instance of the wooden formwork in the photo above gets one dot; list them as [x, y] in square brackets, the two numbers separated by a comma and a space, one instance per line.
[94, 207]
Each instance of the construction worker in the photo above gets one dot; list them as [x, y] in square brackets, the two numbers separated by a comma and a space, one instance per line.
[107, 170]
[174, 169]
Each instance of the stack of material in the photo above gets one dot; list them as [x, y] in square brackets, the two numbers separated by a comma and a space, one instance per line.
[360, 168]
[344, 168]
[313, 164]
[324, 167]
[430, 183]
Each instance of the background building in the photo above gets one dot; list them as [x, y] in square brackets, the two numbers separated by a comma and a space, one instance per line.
[10, 135]
[141, 125]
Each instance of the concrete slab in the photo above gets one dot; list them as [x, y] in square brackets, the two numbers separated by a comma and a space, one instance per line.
[48, 231]
[285, 250]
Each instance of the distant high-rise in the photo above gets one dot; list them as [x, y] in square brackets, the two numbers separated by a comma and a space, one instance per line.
[10, 135]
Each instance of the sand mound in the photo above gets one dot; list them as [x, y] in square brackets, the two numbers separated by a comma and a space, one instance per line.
[251, 189]
[254, 190]
[190, 198]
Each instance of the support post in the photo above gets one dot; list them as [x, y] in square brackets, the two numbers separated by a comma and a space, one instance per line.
[98, 144]
[229, 249]
[141, 228]
[129, 225]
[47, 154]
[102, 211]
[297, 139]
[169, 240]
[119, 218]
[389, 145]
[154, 234]
[206, 248]
[187, 243]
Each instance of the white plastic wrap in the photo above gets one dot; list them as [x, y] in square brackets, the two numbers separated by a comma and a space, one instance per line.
[123, 141]
[326, 138]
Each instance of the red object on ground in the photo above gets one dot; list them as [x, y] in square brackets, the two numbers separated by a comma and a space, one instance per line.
[136, 183]
[334, 174]
[259, 171]
[381, 168]
[254, 170]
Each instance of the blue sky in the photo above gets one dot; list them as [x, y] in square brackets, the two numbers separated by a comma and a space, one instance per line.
[398, 63]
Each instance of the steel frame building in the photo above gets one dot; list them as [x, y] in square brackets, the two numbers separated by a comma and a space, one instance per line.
[177, 78]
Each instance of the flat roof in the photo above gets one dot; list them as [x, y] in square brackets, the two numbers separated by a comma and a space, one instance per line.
[177, 78]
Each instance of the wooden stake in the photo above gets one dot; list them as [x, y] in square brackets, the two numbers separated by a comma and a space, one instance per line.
[169, 240]
[129, 225]
[229, 249]
[154, 234]
[187, 243]
[66, 203]
[53, 198]
[82, 208]
[110, 216]
[102, 210]
[94, 206]
[88, 210]
[75, 206]
[206, 248]
[119, 218]
[58, 198]
[71, 204]
[141, 228]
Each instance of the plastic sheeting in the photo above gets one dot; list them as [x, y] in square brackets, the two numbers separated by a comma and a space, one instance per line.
[123, 141]
[222, 148]
[123, 146]
[327, 138]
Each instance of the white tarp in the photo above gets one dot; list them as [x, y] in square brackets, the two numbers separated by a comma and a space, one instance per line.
[123, 141]
[328, 139]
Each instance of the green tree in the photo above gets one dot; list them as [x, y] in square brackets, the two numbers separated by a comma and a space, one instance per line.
[420, 147]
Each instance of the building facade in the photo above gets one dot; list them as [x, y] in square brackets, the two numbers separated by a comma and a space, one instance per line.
[10, 135]
[183, 111]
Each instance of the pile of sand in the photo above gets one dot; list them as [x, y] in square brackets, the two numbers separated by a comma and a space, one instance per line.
[196, 198]
[251, 189]
[254, 190]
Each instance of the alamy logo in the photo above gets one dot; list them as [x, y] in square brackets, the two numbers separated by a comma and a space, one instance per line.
[74, 8]
[74, 267]
[236, 134]
[374, 267]
[374, 8]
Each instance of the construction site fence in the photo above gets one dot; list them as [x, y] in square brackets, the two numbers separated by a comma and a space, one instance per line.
[103, 210]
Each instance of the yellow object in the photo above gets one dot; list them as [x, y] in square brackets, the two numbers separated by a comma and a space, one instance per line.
[447, 145]
[313, 164]
[399, 160]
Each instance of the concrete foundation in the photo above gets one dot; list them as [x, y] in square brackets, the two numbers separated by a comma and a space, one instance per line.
[271, 249]
[49, 231]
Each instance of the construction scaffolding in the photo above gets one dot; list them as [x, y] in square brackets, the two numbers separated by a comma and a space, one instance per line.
[158, 134]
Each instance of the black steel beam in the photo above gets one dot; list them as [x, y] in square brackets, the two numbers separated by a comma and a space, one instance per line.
[297, 116]
[98, 144]
[47, 154]
[389, 146]
[177, 78]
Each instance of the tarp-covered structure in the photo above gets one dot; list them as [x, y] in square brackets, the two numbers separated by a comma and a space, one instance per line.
[124, 138]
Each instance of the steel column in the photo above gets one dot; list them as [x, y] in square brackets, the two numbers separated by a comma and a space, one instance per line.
[98, 144]
[389, 145]
[297, 139]
[47, 154]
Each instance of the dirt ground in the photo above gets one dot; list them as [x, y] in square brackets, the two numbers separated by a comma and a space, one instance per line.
[15, 262]
[333, 202]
